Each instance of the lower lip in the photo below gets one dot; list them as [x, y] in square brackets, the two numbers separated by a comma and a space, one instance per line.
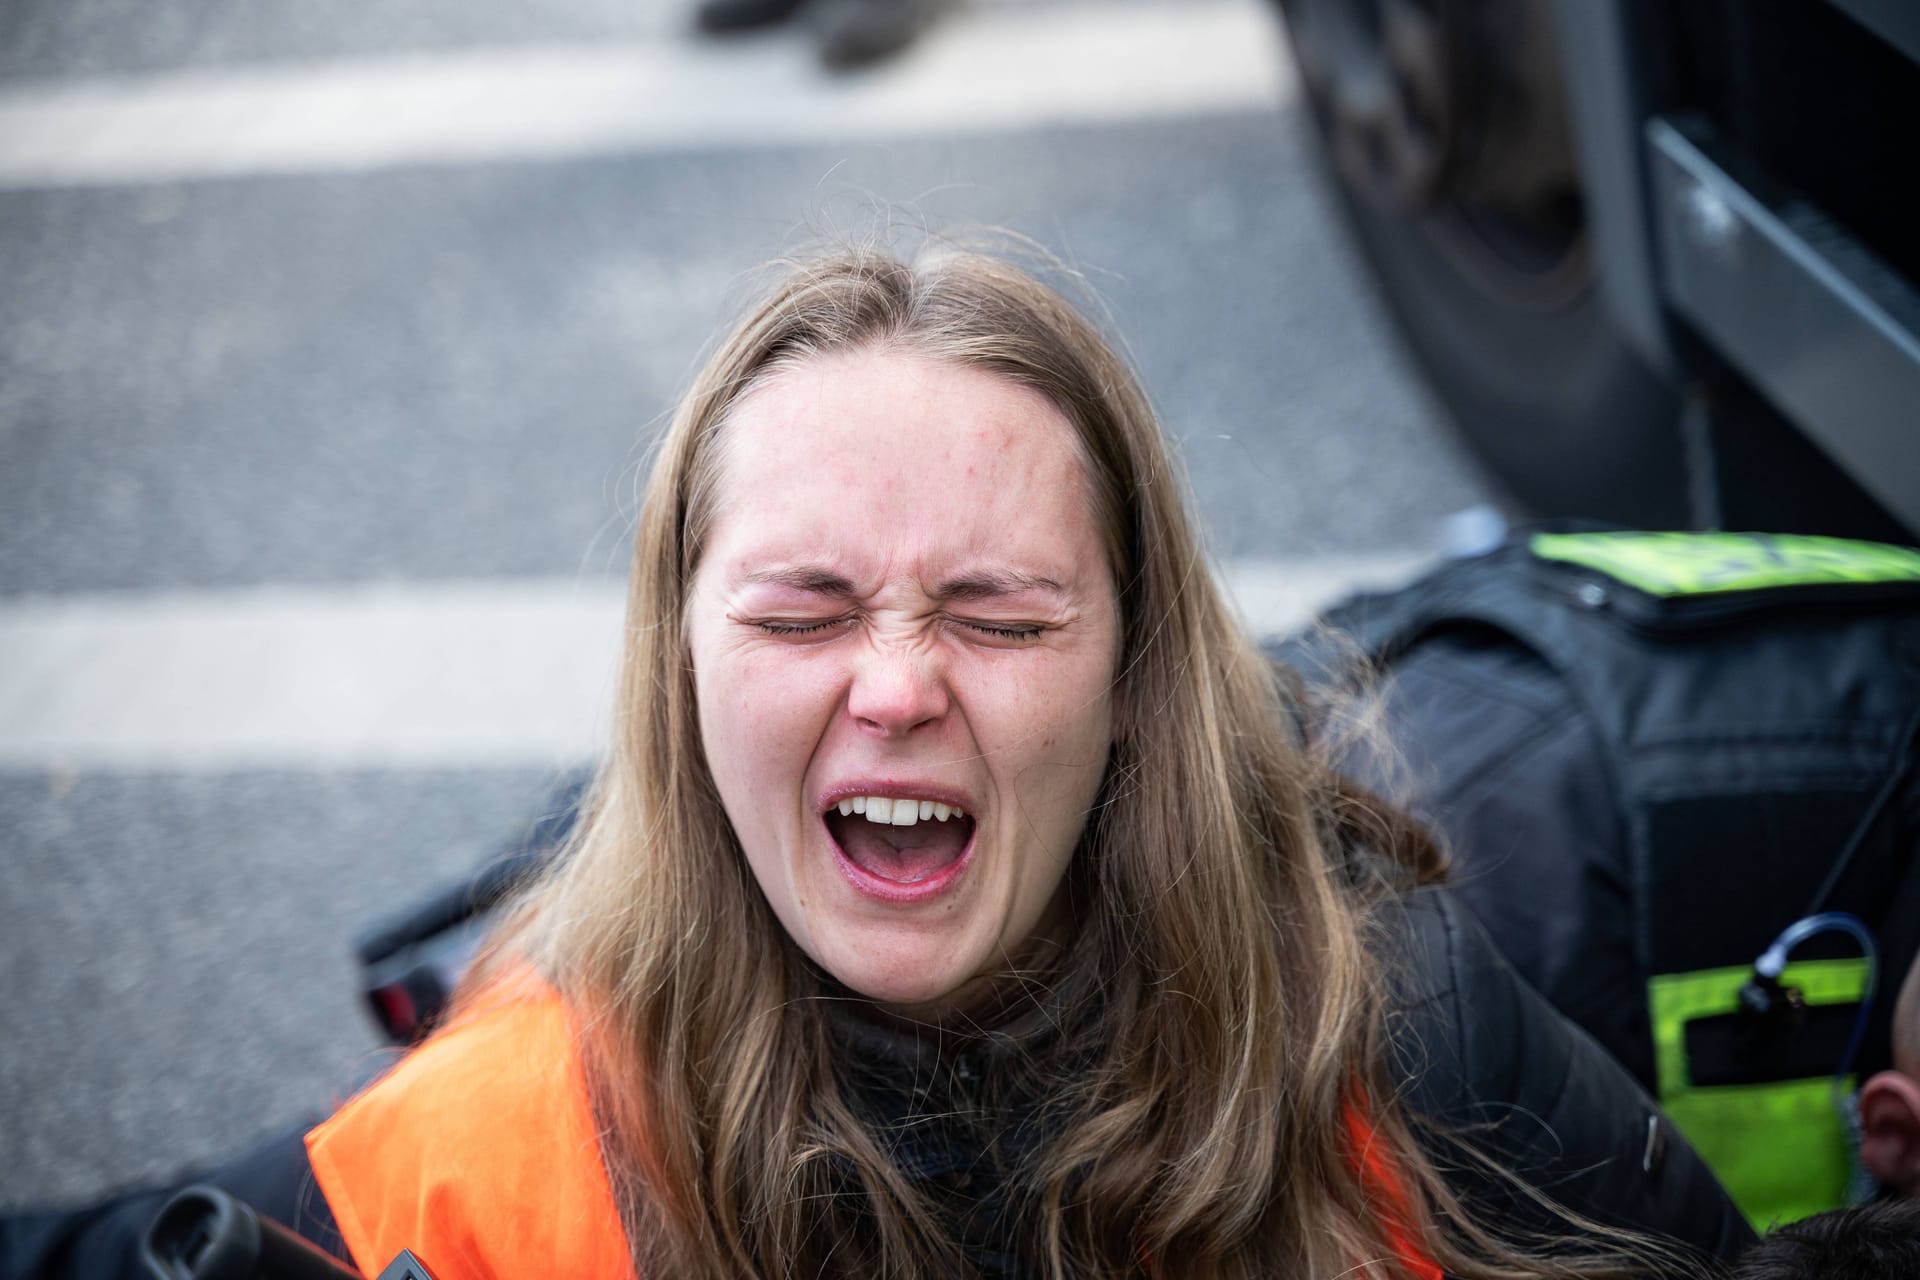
[893, 891]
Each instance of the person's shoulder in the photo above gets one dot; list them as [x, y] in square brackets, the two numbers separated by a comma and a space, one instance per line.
[1482, 1059]
[1440, 965]
[480, 1146]
[509, 1049]
[1451, 1000]
[507, 1042]
[1473, 1046]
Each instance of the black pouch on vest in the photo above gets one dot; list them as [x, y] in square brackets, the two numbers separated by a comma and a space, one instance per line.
[1649, 753]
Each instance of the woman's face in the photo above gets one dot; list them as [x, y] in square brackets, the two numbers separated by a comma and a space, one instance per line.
[903, 610]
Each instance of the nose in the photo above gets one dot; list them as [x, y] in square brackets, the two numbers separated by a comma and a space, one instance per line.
[896, 691]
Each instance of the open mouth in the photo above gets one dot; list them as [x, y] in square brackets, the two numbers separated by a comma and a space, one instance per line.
[900, 846]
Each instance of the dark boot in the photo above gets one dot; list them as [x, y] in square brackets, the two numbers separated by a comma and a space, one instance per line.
[719, 16]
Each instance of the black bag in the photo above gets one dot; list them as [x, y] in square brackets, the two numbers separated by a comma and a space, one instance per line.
[1649, 755]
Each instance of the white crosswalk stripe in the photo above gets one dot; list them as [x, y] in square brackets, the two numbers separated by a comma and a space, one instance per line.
[484, 674]
[990, 70]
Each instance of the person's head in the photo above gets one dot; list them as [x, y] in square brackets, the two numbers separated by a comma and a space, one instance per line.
[915, 537]
[1890, 1101]
[1875, 1242]
[904, 625]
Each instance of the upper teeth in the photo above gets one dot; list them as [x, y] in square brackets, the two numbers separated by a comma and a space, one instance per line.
[900, 813]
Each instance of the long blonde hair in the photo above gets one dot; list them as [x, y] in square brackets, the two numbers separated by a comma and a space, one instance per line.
[1229, 1011]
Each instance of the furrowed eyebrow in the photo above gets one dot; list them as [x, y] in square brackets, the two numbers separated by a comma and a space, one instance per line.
[819, 581]
[986, 586]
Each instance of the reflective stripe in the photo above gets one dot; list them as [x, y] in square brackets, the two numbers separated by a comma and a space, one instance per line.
[1678, 564]
[1778, 1147]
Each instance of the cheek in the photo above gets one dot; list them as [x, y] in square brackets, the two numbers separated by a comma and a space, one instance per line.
[1058, 706]
[1050, 735]
[760, 719]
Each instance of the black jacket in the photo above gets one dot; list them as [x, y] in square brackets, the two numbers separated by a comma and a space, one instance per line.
[1482, 1055]
[1478, 1055]
[1480, 1058]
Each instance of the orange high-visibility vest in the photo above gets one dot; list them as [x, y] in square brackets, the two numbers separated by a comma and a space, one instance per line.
[480, 1153]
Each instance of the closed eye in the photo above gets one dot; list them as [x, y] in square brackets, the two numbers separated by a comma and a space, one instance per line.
[1018, 632]
[800, 628]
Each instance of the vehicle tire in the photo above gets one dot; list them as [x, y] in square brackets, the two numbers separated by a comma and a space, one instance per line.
[1446, 133]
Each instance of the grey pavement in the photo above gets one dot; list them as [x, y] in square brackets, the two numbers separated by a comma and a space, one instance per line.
[325, 378]
[177, 953]
[452, 373]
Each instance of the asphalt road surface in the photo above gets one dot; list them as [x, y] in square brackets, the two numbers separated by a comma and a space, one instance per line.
[329, 356]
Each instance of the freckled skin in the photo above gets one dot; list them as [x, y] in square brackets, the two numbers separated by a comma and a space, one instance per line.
[900, 474]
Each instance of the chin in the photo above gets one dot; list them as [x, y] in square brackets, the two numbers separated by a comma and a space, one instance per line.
[925, 976]
[909, 996]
